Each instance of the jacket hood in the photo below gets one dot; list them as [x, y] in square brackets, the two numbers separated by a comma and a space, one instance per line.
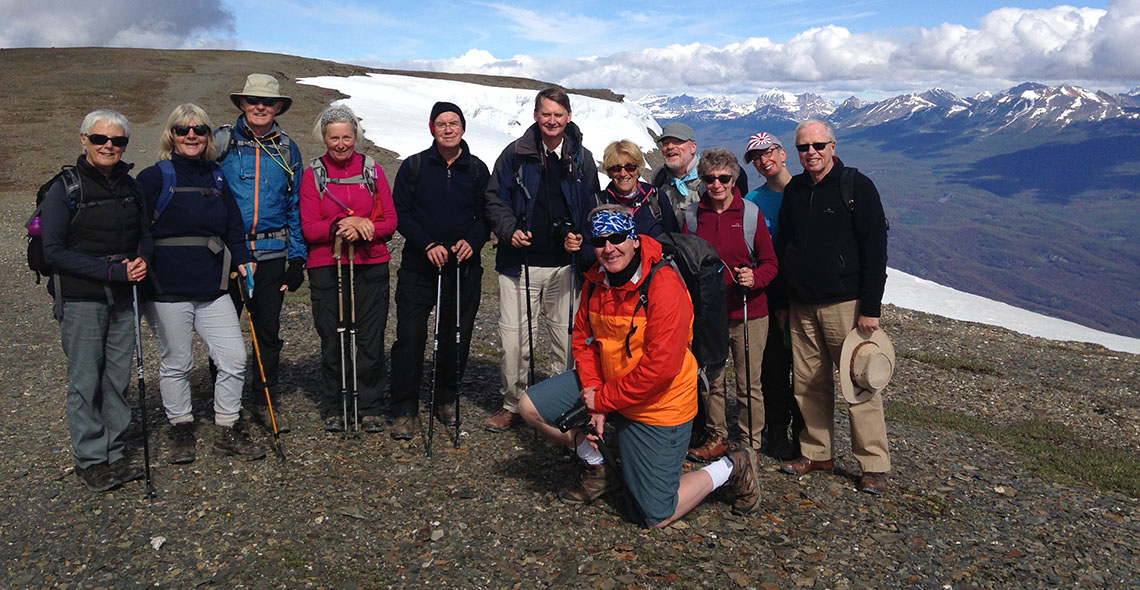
[650, 255]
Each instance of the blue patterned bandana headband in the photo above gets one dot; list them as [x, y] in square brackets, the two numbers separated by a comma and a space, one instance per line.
[610, 222]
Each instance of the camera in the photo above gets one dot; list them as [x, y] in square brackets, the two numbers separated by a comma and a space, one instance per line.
[560, 228]
[576, 417]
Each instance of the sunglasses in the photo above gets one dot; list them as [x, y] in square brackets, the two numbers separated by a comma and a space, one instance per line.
[615, 239]
[99, 139]
[709, 178]
[629, 169]
[253, 101]
[819, 146]
[184, 130]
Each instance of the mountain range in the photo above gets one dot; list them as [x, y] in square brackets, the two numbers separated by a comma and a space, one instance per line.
[1030, 196]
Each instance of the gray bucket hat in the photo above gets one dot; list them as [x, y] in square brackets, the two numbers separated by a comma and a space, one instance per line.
[265, 86]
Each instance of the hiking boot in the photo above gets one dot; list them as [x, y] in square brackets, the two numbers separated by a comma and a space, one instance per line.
[334, 424]
[98, 477]
[260, 414]
[742, 483]
[712, 450]
[403, 428]
[234, 442]
[445, 413]
[125, 471]
[780, 446]
[873, 482]
[181, 445]
[372, 424]
[502, 421]
[803, 466]
[592, 484]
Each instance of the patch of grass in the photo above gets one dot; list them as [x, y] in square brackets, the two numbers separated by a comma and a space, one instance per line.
[949, 362]
[1051, 450]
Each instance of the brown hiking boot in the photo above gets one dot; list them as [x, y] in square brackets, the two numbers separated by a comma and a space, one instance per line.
[260, 414]
[181, 446]
[873, 482]
[502, 421]
[403, 428]
[592, 484]
[445, 413]
[99, 477]
[234, 442]
[803, 466]
[742, 483]
[712, 450]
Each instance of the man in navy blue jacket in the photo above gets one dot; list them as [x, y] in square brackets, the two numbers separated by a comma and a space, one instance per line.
[439, 207]
[539, 196]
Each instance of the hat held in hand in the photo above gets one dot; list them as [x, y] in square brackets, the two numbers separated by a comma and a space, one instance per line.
[865, 365]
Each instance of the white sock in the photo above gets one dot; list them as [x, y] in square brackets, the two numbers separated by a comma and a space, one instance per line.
[589, 454]
[719, 471]
[186, 419]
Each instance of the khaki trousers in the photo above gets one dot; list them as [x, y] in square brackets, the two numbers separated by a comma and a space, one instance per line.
[817, 340]
[715, 400]
[550, 300]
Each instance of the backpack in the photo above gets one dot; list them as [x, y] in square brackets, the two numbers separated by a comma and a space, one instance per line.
[170, 186]
[225, 139]
[751, 216]
[367, 175]
[70, 179]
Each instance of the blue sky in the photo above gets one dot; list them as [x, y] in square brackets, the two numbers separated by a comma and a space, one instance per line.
[870, 48]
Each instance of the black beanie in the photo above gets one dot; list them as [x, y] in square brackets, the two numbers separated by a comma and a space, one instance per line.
[443, 107]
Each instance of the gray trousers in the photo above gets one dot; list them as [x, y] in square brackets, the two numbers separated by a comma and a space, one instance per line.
[98, 340]
[216, 323]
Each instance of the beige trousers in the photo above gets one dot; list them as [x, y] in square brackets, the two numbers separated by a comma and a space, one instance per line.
[715, 400]
[550, 301]
[817, 340]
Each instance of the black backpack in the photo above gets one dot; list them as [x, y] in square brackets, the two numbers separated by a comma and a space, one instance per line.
[70, 179]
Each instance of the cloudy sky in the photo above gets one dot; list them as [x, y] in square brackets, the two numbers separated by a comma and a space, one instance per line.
[870, 48]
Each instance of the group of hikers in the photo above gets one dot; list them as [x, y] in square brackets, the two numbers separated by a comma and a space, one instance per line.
[230, 218]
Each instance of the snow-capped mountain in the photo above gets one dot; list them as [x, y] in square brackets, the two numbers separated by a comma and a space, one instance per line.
[1022, 107]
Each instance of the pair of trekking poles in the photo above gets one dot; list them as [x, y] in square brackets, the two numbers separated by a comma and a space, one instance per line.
[346, 333]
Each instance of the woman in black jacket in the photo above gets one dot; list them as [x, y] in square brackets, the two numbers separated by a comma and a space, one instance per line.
[96, 239]
[198, 235]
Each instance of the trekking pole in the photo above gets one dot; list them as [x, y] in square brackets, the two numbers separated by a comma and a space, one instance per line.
[352, 334]
[341, 329]
[747, 364]
[261, 371]
[529, 329]
[570, 319]
[150, 493]
[434, 356]
[458, 373]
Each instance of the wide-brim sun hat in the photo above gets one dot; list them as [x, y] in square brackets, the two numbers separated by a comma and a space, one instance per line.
[866, 365]
[265, 86]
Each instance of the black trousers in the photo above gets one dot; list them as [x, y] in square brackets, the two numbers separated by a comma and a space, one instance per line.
[371, 293]
[415, 298]
[265, 309]
[780, 409]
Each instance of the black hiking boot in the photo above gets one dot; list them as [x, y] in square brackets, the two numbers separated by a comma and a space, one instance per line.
[181, 445]
[234, 442]
[125, 471]
[98, 477]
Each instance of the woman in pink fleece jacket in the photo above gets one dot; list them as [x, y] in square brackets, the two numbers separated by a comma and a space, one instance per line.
[345, 206]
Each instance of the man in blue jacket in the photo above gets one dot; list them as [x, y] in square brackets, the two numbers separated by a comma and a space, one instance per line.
[439, 201]
[263, 169]
[538, 199]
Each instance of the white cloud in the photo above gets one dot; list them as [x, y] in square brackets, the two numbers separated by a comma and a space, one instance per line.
[1059, 43]
[116, 23]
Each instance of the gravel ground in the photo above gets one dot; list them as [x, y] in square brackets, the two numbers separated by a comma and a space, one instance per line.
[365, 511]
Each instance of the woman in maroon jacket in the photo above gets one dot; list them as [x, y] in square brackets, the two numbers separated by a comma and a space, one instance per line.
[720, 219]
[345, 206]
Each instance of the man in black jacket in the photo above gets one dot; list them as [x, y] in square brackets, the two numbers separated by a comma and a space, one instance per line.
[833, 257]
[440, 212]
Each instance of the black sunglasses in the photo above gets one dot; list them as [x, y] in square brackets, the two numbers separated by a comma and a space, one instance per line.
[615, 239]
[100, 139]
[709, 178]
[268, 101]
[184, 130]
[629, 168]
[819, 146]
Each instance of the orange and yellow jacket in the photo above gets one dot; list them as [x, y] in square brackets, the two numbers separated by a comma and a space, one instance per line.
[654, 381]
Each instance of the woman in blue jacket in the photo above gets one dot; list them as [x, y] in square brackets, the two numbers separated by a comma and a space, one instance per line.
[198, 240]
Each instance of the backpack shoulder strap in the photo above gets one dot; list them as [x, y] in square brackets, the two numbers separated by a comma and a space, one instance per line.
[169, 181]
[751, 221]
[642, 301]
[691, 218]
[847, 187]
[224, 138]
[368, 172]
[320, 175]
[73, 185]
[414, 169]
[477, 165]
[653, 200]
